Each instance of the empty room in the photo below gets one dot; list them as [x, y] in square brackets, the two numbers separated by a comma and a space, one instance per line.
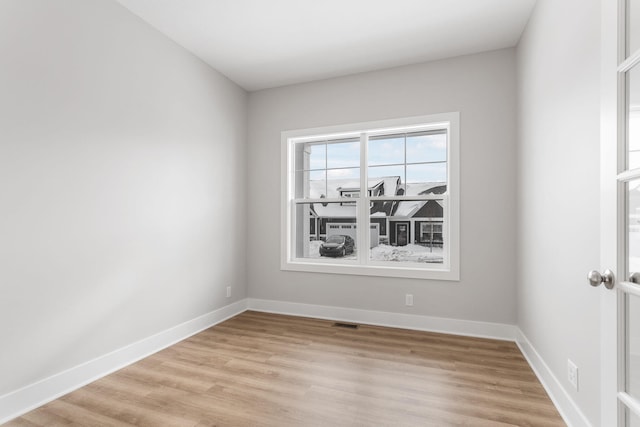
[330, 213]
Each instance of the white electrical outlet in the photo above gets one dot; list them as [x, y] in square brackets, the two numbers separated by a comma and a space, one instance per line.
[228, 291]
[572, 372]
[408, 300]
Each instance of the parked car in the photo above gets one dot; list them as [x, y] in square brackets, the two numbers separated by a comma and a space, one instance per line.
[337, 245]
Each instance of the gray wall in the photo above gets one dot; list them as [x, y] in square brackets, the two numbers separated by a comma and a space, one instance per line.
[123, 185]
[558, 190]
[483, 88]
[122, 177]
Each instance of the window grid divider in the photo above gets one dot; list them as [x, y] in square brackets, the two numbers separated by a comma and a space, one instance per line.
[364, 235]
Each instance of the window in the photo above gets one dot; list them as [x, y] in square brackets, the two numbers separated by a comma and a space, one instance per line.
[398, 179]
[431, 233]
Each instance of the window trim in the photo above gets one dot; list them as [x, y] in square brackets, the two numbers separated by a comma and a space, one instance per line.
[451, 223]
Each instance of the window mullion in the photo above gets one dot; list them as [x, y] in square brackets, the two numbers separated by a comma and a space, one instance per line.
[362, 211]
[406, 186]
[446, 232]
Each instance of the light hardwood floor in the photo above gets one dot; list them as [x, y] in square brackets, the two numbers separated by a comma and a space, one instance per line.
[260, 369]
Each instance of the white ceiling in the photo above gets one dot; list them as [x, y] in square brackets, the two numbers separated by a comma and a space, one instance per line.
[267, 43]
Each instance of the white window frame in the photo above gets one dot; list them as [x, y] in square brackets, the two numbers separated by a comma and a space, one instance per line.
[449, 270]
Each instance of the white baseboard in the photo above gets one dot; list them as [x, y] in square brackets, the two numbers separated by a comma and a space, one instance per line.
[34, 395]
[567, 407]
[471, 328]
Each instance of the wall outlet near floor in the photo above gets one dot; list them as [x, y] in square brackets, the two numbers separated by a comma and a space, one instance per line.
[228, 291]
[572, 372]
[408, 300]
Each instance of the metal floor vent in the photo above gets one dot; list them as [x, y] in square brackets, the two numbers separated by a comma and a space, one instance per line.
[345, 325]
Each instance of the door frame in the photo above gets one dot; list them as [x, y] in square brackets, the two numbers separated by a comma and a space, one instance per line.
[612, 210]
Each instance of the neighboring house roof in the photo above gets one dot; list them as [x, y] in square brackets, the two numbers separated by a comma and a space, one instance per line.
[373, 184]
[411, 207]
[391, 186]
[318, 188]
[408, 208]
[438, 189]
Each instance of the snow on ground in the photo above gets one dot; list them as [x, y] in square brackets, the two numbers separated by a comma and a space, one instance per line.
[409, 253]
[314, 248]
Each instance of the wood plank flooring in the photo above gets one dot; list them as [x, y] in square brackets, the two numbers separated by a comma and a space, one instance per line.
[260, 369]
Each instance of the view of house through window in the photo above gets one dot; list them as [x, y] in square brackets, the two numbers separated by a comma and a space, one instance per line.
[393, 183]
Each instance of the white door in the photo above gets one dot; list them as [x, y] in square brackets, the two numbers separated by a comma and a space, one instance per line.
[620, 213]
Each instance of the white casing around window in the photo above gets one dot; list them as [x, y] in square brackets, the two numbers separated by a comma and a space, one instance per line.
[449, 270]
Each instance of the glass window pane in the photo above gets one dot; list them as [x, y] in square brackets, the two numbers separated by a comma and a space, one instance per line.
[402, 231]
[634, 159]
[310, 155]
[386, 150]
[317, 156]
[634, 118]
[633, 24]
[427, 178]
[325, 231]
[381, 171]
[310, 184]
[343, 153]
[426, 147]
[386, 180]
[633, 302]
[633, 227]
[634, 136]
[343, 182]
[632, 419]
[633, 346]
[387, 185]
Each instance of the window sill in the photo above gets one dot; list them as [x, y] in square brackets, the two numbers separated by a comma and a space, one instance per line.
[372, 270]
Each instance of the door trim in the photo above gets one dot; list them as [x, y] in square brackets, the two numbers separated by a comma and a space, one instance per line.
[612, 122]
